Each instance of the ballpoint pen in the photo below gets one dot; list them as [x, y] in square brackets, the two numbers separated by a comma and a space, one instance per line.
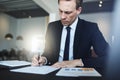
[39, 56]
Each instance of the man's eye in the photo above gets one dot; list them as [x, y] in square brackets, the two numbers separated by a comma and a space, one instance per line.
[68, 12]
[60, 11]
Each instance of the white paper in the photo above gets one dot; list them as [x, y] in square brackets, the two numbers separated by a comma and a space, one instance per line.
[14, 63]
[76, 72]
[35, 69]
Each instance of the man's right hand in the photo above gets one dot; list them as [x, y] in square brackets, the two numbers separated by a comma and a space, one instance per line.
[38, 60]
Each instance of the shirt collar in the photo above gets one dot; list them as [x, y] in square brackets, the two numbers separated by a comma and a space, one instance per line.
[73, 25]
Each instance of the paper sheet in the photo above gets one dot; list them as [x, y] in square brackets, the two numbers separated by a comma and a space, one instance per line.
[35, 69]
[14, 63]
[76, 72]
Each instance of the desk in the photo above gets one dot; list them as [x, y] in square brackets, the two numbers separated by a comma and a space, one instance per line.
[5, 74]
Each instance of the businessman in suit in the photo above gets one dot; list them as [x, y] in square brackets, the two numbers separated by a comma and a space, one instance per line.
[82, 35]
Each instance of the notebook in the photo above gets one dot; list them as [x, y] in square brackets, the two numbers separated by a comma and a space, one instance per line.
[13, 63]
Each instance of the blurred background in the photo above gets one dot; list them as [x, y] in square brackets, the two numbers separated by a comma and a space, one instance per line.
[23, 24]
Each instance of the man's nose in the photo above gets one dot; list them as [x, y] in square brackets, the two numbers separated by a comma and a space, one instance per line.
[63, 15]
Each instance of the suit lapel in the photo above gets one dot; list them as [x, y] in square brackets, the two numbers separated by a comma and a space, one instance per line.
[77, 39]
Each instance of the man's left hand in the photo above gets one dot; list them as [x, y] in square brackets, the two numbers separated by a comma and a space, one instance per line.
[68, 64]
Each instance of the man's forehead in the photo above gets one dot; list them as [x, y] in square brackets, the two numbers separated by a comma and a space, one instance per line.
[67, 6]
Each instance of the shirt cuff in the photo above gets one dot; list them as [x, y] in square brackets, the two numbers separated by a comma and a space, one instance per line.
[45, 60]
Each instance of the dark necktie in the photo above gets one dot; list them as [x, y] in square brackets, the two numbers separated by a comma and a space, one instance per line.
[67, 42]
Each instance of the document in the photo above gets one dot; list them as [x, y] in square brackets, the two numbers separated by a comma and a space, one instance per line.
[35, 69]
[76, 72]
[14, 63]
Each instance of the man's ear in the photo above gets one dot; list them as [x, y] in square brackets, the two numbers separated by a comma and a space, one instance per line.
[79, 10]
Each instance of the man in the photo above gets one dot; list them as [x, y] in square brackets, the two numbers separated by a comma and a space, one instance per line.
[83, 35]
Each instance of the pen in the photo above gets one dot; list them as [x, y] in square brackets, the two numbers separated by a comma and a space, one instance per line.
[39, 58]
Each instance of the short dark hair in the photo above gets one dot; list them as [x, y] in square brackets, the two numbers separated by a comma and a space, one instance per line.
[78, 3]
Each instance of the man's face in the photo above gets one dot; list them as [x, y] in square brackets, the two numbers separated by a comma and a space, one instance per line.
[68, 11]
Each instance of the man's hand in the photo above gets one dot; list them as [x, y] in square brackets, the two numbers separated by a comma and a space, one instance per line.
[38, 60]
[72, 63]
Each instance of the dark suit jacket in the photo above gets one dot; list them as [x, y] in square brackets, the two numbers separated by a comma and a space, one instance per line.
[87, 34]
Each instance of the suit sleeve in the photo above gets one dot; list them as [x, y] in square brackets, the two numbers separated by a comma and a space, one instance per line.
[51, 44]
[47, 44]
[100, 47]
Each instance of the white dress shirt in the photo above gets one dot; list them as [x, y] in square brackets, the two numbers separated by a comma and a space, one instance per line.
[63, 38]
